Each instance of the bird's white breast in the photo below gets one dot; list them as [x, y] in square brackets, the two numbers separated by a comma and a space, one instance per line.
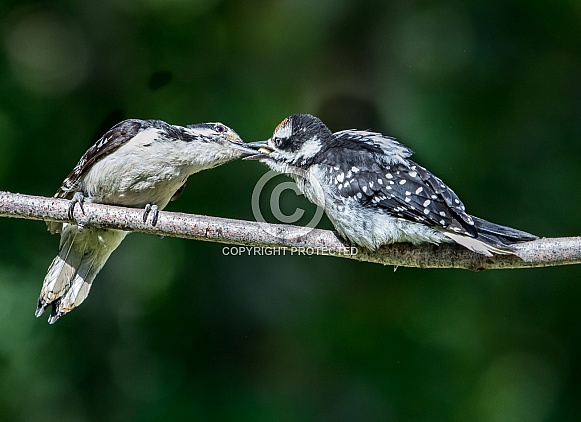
[149, 170]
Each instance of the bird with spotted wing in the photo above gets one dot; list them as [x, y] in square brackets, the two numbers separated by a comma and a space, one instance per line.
[372, 192]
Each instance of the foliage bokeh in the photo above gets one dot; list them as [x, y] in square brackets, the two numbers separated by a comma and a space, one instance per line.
[488, 93]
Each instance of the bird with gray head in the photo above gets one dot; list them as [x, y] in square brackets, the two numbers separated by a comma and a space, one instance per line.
[137, 163]
[371, 190]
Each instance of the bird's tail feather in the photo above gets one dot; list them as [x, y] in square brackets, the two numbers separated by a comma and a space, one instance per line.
[61, 271]
[70, 276]
[491, 238]
[501, 236]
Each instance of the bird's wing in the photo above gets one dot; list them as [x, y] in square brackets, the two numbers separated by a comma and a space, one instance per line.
[407, 191]
[109, 142]
[386, 149]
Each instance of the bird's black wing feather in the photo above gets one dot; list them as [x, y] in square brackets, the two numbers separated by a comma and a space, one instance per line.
[376, 171]
[403, 190]
[115, 137]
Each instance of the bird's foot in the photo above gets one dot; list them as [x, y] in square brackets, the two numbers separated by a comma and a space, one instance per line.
[155, 213]
[78, 198]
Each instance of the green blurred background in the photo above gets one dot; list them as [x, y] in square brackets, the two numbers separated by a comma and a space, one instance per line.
[487, 93]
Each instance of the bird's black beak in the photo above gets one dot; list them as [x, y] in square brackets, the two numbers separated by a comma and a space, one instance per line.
[260, 149]
[241, 146]
[235, 142]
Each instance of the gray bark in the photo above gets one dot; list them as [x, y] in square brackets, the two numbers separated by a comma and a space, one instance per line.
[292, 239]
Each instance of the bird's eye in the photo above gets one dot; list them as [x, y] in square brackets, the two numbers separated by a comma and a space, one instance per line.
[220, 128]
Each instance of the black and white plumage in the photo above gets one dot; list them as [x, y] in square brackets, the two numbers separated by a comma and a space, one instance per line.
[137, 163]
[372, 192]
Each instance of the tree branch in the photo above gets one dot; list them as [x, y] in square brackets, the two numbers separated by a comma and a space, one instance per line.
[290, 239]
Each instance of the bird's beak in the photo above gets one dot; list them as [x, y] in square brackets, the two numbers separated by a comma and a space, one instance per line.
[237, 143]
[242, 147]
[260, 149]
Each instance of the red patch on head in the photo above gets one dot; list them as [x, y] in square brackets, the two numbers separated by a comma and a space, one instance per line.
[281, 124]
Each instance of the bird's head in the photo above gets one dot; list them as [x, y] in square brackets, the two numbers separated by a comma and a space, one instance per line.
[216, 133]
[213, 143]
[295, 143]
